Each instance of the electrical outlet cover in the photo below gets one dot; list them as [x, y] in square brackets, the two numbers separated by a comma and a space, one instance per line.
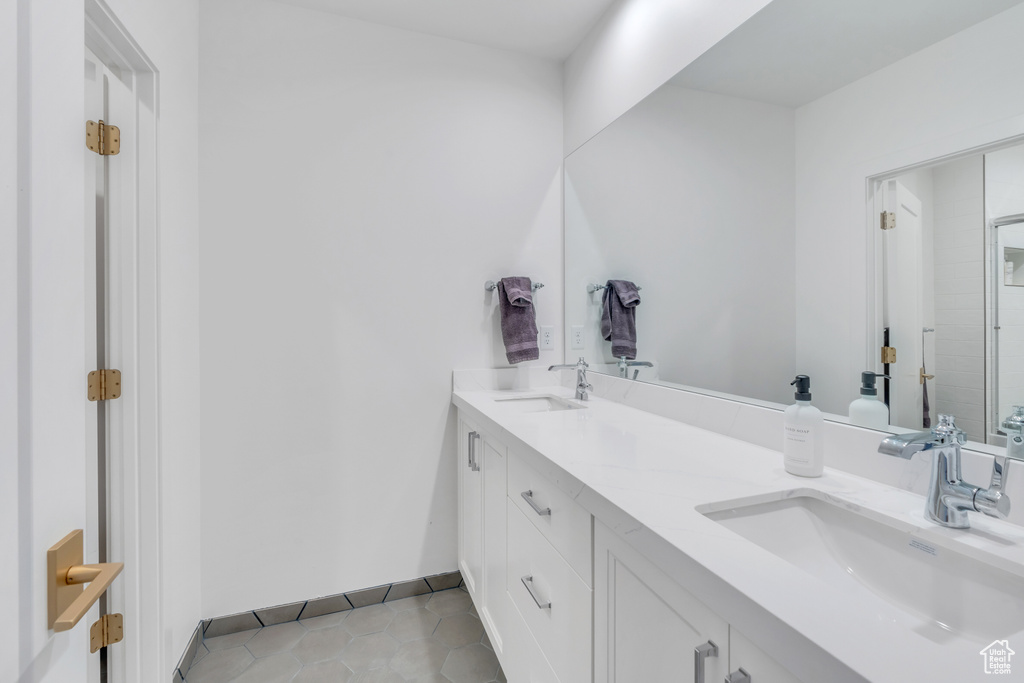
[577, 337]
[547, 337]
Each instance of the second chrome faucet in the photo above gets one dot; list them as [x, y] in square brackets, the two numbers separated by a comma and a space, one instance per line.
[950, 498]
[582, 386]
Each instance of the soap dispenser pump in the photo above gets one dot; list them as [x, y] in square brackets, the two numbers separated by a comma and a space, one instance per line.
[868, 410]
[803, 445]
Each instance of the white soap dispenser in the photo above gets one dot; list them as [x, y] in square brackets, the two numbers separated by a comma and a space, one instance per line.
[868, 410]
[803, 451]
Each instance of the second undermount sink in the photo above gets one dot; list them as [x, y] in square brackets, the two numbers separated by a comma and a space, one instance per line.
[537, 404]
[940, 592]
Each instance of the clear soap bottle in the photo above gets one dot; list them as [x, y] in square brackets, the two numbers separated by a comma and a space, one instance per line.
[803, 448]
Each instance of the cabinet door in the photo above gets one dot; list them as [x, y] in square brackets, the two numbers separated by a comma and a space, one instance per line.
[470, 509]
[743, 654]
[492, 461]
[646, 626]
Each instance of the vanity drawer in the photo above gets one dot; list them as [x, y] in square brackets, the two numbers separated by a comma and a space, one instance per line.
[552, 599]
[564, 523]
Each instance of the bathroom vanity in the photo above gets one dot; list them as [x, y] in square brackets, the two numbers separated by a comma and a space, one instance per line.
[601, 542]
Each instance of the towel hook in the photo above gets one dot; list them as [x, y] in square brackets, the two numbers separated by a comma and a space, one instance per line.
[491, 285]
[595, 287]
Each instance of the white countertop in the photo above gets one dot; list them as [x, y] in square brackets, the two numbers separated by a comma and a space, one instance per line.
[644, 476]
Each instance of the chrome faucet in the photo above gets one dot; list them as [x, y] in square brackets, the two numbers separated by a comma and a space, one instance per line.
[1014, 428]
[624, 366]
[949, 497]
[582, 387]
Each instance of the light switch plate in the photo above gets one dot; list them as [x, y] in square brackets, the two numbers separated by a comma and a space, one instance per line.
[547, 337]
[577, 336]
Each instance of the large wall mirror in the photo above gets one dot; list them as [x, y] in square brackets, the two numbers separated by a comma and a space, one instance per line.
[744, 197]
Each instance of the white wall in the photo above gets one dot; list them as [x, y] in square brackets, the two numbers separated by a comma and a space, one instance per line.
[954, 95]
[691, 195]
[47, 242]
[359, 185]
[636, 47]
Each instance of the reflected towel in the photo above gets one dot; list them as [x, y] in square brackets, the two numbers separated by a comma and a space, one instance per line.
[518, 320]
[926, 419]
[618, 317]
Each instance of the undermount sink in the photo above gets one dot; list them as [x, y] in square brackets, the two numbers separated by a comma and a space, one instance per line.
[939, 592]
[537, 404]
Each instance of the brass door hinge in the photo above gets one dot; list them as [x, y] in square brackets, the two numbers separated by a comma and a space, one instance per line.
[888, 221]
[102, 138]
[104, 385]
[107, 631]
[888, 355]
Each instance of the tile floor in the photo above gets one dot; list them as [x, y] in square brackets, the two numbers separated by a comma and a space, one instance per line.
[434, 638]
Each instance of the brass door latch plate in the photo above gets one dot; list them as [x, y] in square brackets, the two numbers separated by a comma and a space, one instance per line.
[107, 631]
[104, 385]
[102, 138]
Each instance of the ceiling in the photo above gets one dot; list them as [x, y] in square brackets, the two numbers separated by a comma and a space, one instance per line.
[795, 51]
[542, 28]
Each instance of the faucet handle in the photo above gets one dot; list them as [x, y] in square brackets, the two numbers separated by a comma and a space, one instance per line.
[946, 432]
[1015, 422]
[582, 363]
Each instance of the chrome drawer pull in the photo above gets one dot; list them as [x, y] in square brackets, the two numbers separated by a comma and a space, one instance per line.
[473, 464]
[701, 653]
[528, 497]
[528, 582]
[738, 676]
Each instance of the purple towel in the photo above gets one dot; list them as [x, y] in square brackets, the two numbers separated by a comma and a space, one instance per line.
[518, 321]
[618, 317]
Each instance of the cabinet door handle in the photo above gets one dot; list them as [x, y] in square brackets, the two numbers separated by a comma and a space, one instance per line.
[738, 676]
[701, 653]
[528, 497]
[473, 436]
[528, 582]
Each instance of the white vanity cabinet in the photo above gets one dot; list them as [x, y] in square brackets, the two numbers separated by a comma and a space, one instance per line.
[471, 534]
[482, 546]
[566, 600]
[649, 628]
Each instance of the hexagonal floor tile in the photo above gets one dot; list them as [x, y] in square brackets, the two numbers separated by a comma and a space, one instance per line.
[470, 664]
[369, 652]
[321, 644]
[449, 602]
[419, 658]
[413, 624]
[277, 667]
[219, 666]
[332, 671]
[459, 629]
[273, 639]
[366, 620]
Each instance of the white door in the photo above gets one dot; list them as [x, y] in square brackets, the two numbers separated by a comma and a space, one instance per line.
[49, 431]
[903, 303]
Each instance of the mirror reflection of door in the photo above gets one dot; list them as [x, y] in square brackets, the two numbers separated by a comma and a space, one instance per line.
[903, 306]
[970, 275]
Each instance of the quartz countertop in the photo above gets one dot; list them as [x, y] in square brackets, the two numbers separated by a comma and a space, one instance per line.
[644, 476]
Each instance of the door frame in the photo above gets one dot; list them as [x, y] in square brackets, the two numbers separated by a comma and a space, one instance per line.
[134, 536]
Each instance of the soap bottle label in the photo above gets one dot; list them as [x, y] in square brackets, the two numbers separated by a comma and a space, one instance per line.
[799, 436]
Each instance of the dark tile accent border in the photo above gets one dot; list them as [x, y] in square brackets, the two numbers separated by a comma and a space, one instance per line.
[315, 607]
